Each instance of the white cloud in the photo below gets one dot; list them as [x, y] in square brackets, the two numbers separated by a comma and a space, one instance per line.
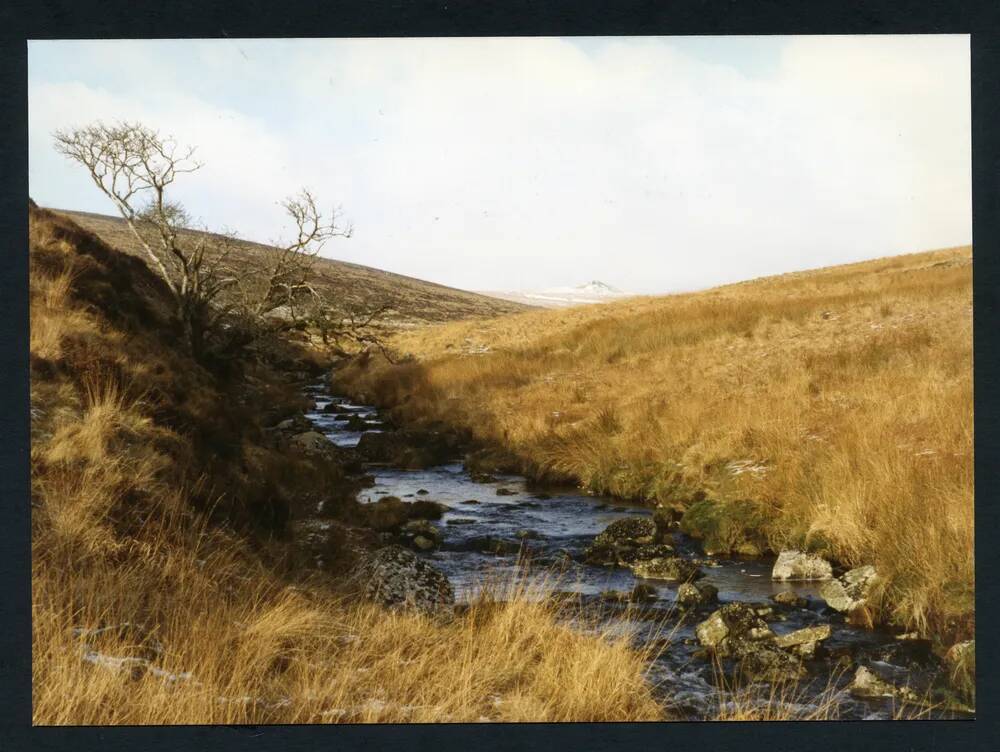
[502, 163]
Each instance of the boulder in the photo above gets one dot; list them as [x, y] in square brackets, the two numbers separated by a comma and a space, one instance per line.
[768, 661]
[422, 534]
[798, 565]
[427, 510]
[490, 461]
[398, 579]
[356, 423]
[643, 553]
[804, 641]
[867, 684]
[736, 631]
[388, 513]
[461, 521]
[410, 449]
[665, 568]
[620, 540]
[690, 595]
[630, 531]
[312, 443]
[666, 519]
[960, 661]
[424, 544]
[851, 592]
[728, 628]
[487, 544]
[642, 593]
[506, 492]
[294, 424]
[790, 599]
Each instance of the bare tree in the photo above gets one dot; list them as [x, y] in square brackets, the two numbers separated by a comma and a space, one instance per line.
[357, 324]
[287, 281]
[134, 166]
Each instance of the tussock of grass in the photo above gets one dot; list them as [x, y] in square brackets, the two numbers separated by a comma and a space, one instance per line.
[247, 649]
[158, 591]
[837, 402]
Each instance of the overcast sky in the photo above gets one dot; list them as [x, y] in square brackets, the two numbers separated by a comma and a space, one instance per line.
[652, 164]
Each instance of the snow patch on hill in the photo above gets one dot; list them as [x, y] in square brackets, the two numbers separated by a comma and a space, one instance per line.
[560, 297]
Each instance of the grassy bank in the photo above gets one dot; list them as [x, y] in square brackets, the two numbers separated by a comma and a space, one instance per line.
[829, 409]
[165, 588]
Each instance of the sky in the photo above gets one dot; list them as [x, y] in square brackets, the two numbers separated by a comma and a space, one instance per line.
[653, 164]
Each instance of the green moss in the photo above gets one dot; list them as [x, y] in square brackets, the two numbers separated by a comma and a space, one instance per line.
[726, 526]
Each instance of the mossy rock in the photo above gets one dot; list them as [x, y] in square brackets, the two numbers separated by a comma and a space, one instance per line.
[388, 513]
[724, 527]
[492, 460]
[960, 661]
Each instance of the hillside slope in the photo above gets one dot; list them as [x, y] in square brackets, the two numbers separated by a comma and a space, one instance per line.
[829, 409]
[166, 587]
[414, 301]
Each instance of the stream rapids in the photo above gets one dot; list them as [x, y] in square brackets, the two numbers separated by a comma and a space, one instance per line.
[553, 526]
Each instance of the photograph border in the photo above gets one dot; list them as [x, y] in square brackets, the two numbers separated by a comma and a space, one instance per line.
[58, 19]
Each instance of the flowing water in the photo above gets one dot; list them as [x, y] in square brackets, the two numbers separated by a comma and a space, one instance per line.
[553, 526]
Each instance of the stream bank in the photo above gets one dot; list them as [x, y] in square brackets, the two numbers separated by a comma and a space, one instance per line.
[488, 524]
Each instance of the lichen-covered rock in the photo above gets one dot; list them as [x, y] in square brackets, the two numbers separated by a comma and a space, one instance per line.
[798, 565]
[665, 568]
[690, 595]
[803, 641]
[731, 625]
[422, 535]
[399, 579]
[620, 541]
[642, 553]
[423, 544]
[868, 684]
[851, 592]
[295, 424]
[763, 659]
[313, 443]
[789, 598]
[960, 660]
[736, 631]
[629, 531]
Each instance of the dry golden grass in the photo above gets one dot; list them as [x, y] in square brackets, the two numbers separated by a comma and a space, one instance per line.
[145, 613]
[776, 701]
[838, 401]
[235, 645]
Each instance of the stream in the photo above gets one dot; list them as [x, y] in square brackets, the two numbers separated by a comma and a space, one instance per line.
[555, 525]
